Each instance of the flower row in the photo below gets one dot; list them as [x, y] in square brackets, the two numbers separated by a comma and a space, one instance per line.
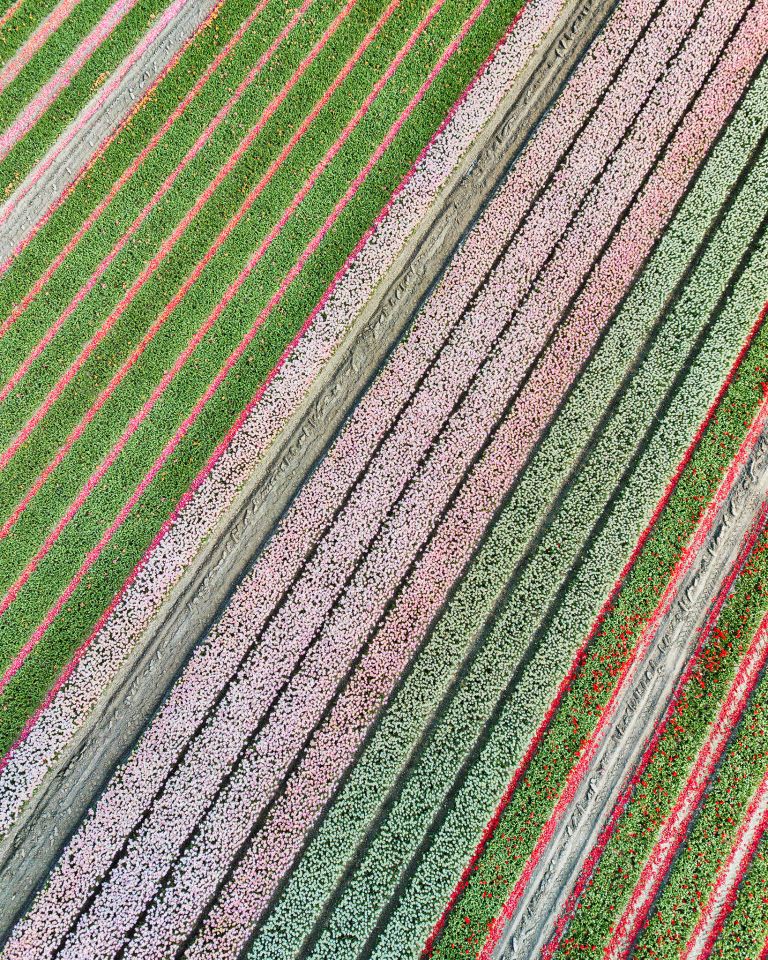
[215, 489]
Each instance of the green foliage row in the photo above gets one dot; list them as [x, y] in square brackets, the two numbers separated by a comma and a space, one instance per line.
[34, 145]
[510, 844]
[745, 932]
[452, 687]
[21, 23]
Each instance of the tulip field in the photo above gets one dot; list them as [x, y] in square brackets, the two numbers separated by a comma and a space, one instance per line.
[493, 683]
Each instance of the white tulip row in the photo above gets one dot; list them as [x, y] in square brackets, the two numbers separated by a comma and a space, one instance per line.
[192, 787]
[440, 762]
[160, 832]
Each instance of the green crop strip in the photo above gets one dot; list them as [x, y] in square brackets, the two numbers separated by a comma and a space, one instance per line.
[209, 222]
[28, 687]
[33, 146]
[694, 873]
[627, 851]
[47, 60]
[745, 931]
[151, 113]
[20, 25]
[182, 394]
[111, 226]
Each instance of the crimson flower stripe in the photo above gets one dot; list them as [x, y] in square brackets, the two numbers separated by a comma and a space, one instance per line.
[674, 829]
[21, 58]
[293, 273]
[46, 96]
[723, 894]
[165, 248]
[589, 747]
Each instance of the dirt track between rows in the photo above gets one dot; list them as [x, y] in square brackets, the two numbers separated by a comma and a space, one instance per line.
[30, 848]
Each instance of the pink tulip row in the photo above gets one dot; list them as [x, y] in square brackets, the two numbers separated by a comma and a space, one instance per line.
[237, 457]
[46, 96]
[241, 703]
[29, 48]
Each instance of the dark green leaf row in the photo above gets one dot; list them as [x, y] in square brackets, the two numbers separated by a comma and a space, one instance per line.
[110, 228]
[205, 229]
[49, 58]
[149, 116]
[22, 21]
[745, 932]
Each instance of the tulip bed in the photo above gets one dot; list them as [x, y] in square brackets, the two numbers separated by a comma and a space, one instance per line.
[687, 744]
[97, 455]
[58, 80]
[745, 931]
[445, 609]
[698, 874]
[540, 787]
